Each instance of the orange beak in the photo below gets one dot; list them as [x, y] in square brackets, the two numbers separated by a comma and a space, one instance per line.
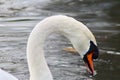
[90, 64]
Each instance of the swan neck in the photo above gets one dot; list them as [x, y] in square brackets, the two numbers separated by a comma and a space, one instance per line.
[38, 67]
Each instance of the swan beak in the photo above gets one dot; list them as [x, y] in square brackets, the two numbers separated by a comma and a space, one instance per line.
[89, 63]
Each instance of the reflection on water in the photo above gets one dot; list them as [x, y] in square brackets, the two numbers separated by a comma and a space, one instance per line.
[17, 18]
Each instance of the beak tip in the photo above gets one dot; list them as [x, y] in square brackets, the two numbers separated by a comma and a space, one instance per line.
[93, 73]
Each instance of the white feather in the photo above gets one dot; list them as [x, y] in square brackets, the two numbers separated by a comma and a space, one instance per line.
[6, 76]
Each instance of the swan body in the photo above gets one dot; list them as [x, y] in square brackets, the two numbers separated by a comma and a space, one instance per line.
[80, 36]
[6, 76]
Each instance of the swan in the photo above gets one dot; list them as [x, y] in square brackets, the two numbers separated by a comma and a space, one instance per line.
[6, 76]
[80, 36]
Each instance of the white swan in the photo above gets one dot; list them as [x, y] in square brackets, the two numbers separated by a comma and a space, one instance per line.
[6, 76]
[79, 35]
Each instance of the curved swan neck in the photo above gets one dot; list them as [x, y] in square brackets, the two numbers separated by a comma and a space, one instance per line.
[75, 31]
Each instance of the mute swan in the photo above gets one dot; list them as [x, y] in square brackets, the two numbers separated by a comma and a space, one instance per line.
[80, 36]
[6, 76]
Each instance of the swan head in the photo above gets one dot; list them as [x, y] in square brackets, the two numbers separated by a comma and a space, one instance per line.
[91, 54]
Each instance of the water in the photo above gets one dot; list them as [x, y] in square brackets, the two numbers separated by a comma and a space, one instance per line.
[18, 17]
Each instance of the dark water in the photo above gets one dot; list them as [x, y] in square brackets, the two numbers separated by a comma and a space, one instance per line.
[18, 17]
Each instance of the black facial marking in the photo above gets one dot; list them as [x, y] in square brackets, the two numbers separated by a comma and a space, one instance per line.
[93, 48]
